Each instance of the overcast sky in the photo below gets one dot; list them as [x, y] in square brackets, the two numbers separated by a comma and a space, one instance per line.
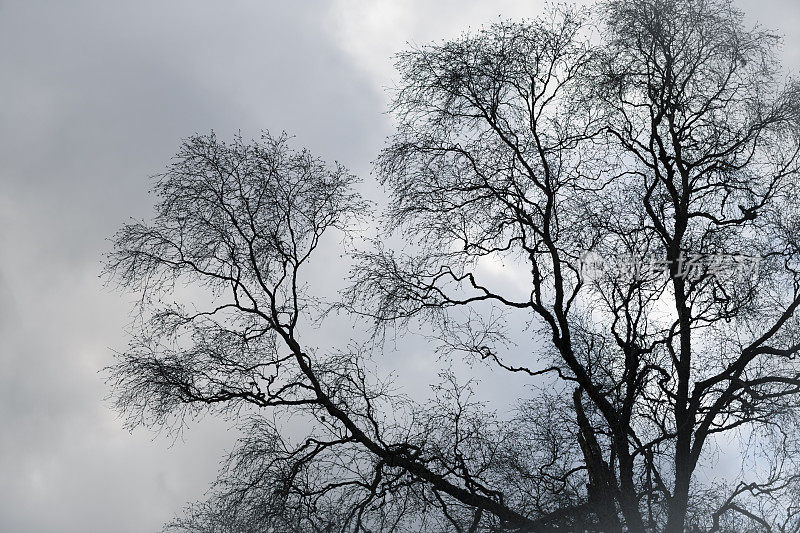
[95, 96]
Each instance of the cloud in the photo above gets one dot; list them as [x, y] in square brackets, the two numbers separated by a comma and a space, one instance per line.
[96, 97]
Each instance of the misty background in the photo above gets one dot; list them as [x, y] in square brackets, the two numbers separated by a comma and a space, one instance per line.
[95, 97]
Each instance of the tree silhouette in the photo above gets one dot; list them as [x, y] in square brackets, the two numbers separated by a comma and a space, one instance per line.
[640, 186]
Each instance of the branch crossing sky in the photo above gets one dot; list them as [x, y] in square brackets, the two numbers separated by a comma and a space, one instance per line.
[96, 97]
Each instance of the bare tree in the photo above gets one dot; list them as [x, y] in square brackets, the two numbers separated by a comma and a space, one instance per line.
[629, 183]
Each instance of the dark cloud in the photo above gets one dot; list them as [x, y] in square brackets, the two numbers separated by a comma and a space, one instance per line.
[96, 96]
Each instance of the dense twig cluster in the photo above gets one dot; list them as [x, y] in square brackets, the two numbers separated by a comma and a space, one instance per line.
[529, 144]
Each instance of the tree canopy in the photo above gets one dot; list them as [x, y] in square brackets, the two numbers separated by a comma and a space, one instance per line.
[634, 168]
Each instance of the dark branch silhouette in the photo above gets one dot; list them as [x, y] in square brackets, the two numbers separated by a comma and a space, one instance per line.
[657, 137]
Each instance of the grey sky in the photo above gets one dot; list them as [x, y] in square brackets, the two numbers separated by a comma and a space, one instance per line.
[96, 96]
